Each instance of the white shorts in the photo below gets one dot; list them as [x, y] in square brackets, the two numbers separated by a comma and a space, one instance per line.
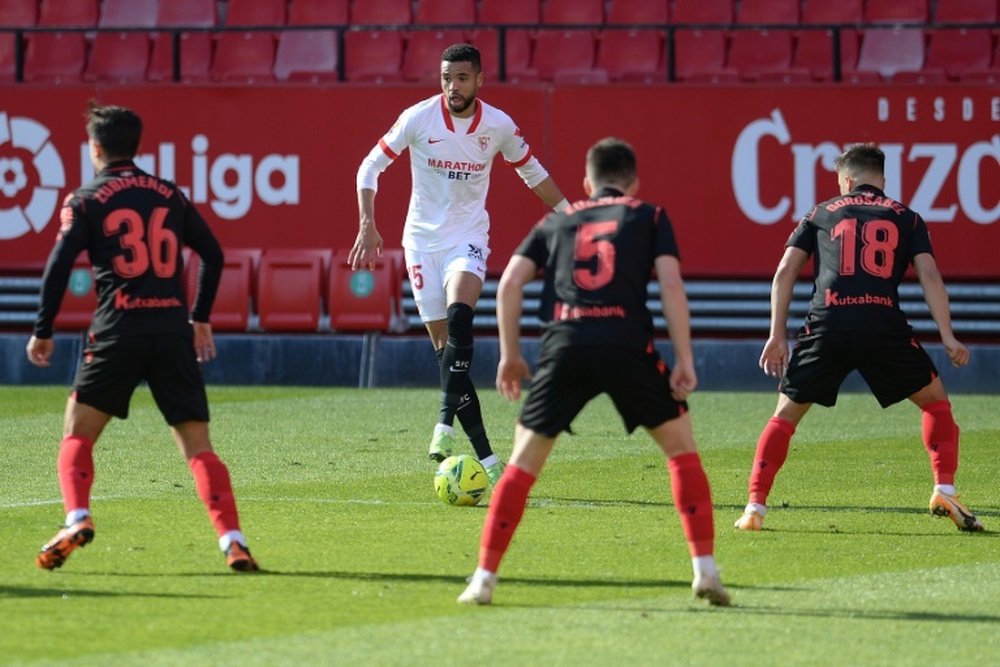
[429, 273]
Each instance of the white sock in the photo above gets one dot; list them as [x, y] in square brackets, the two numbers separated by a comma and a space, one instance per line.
[78, 514]
[489, 461]
[481, 575]
[444, 428]
[230, 537]
[704, 566]
[947, 489]
[756, 507]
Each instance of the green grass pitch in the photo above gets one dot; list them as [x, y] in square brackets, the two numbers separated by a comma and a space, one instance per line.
[363, 563]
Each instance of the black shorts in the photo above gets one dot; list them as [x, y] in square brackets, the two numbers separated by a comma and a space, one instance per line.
[567, 377]
[112, 368]
[894, 365]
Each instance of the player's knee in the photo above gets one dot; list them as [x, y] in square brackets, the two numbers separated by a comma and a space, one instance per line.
[460, 317]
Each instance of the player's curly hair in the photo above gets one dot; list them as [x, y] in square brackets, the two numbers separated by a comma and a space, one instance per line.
[117, 129]
[861, 159]
[463, 53]
[611, 160]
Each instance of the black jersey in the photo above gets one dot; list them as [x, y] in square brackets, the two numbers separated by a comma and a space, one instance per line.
[863, 243]
[133, 226]
[598, 257]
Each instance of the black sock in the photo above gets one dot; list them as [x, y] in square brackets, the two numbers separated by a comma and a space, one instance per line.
[470, 414]
[456, 359]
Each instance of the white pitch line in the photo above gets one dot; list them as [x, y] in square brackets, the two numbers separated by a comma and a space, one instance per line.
[57, 501]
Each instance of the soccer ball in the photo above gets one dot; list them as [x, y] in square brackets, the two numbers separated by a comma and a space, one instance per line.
[461, 480]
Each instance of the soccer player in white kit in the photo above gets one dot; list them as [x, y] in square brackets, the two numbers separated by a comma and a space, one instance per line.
[453, 138]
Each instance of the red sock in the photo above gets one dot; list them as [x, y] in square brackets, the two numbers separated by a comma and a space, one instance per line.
[211, 479]
[940, 434]
[506, 510]
[772, 449]
[76, 471]
[693, 500]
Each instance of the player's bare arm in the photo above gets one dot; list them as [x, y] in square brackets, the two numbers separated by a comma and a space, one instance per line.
[683, 379]
[368, 243]
[774, 357]
[549, 192]
[936, 297]
[512, 368]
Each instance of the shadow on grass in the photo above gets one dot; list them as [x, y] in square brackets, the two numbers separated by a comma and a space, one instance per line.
[789, 611]
[787, 507]
[872, 615]
[418, 577]
[13, 592]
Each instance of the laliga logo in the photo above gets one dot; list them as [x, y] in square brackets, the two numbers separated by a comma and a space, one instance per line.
[25, 134]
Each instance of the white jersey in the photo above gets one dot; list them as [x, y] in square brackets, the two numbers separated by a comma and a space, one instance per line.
[450, 162]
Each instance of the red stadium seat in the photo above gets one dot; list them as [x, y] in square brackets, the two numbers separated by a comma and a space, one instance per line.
[367, 300]
[128, 13]
[966, 11]
[896, 11]
[306, 55]
[18, 13]
[842, 11]
[565, 52]
[318, 12]
[15, 14]
[119, 57]
[631, 55]
[7, 58]
[576, 12]
[989, 75]
[373, 55]
[55, 57]
[231, 310]
[814, 52]
[524, 12]
[244, 56]
[289, 288]
[255, 12]
[703, 11]
[453, 12]
[197, 13]
[69, 13]
[422, 60]
[196, 57]
[769, 11]
[959, 52]
[518, 54]
[646, 12]
[814, 48]
[754, 53]
[701, 56]
[80, 299]
[382, 12]
[889, 51]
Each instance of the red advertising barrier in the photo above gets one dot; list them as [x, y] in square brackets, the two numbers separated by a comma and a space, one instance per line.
[734, 166]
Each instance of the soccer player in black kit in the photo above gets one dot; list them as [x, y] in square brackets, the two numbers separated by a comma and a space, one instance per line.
[598, 255]
[863, 242]
[133, 226]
